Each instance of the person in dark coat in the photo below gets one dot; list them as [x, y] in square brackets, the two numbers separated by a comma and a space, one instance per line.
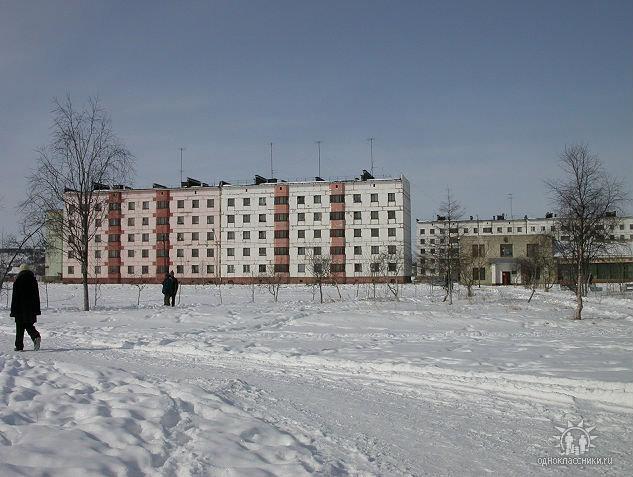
[25, 307]
[168, 286]
[174, 287]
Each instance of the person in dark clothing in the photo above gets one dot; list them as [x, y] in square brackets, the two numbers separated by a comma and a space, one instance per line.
[168, 286]
[174, 288]
[25, 307]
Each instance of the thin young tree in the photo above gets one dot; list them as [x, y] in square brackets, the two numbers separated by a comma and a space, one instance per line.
[447, 243]
[586, 200]
[319, 267]
[538, 267]
[83, 155]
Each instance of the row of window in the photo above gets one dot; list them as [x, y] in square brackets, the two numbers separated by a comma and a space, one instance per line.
[488, 230]
[374, 267]
[246, 251]
[316, 199]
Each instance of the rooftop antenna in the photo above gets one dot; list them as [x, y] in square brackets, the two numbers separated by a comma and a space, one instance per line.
[272, 174]
[510, 196]
[318, 143]
[181, 149]
[371, 153]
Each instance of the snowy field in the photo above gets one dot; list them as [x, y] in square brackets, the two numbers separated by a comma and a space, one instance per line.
[350, 387]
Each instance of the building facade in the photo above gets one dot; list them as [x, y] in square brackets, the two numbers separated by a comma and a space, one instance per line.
[268, 230]
[504, 243]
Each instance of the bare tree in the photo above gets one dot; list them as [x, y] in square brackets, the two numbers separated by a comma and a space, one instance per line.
[538, 267]
[319, 267]
[392, 266]
[82, 157]
[586, 200]
[274, 281]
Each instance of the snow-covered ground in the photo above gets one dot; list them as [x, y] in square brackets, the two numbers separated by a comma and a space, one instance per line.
[351, 387]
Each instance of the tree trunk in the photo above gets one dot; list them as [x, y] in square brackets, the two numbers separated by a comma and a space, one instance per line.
[321, 292]
[579, 291]
[84, 281]
[531, 295]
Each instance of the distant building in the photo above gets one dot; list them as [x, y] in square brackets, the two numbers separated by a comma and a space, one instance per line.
[53, 260]
[254, 232]
[505, 243]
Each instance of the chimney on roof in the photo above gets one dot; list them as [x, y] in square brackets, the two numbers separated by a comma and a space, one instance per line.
[366, 175]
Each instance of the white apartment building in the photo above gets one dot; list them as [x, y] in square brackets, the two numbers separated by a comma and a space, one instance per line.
[252, 233]
[499, 228]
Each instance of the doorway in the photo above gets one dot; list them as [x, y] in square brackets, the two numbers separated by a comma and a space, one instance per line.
[505, 278]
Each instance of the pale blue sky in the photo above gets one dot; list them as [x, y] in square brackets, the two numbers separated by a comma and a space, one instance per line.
[480, 96]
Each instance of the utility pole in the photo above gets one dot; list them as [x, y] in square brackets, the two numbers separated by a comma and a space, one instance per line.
[318, 143]
[371, 153]
[511, 211]
[181, 149]
[272, 174]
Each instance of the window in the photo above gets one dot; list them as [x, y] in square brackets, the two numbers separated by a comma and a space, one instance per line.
[210, 219]
[114, 254]
[145, 205]
[391, 232]
[301, 199]
[195, 252]
[337, 267]
[392, 267]
[71, 254]
[114, 206]
[130, 270]
[162, 204]
[479, 273]
[505, 250]
[180, 252]
[478, 250]
[97, 222]
[246, 201]
[130, 221]
[246, 252]
[262, 251]
[281, 200]
[145, 221]
[358, 250]
[337, 250]
[210, 203]
[281, 217]
[97, 254]
[465, 231]
[375, 267]
[509, 229]
[374, 232]
[281, 268]
[145, 253]
[356, 198]
[301, 251]
[316, 251]
[230, 252]
[317, 216]
[432, 231]
[262, 269]
[337, 199]
[375, 249]
[475, 230]
[301, 234]
[195, 220]
[195, 268]
[422, 231]
[246, 235]
[357, 215]
[301, 268]
[210, 252]
[301, 217]
[114, 222]
[282, 251]
[499, 230]
[358, 232]
[280, 234]
[391, 197]
[210, 236]
[180, 204]
[391, 215]
[317, 233]
[162, 253]
[358, 267]
[262, 235]
[71, 270]
[195, 203]
[165, 220]
[230, 235]
[374, 215]
[246, 269]
[262, 217]
[262, 201]
[130, 237]
[337, 232]
[422, 241]
[374, 197]
[246, 219]
[114, 238]
[144, 270]
[391, 249]
[210, 269]
[337, 215]
[532, 249]
[180, 269]
[230, 202]
[316, 199]
[487, 230]
[98, 207]
[230, 219]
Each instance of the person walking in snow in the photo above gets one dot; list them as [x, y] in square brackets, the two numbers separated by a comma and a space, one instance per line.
[25, 307]
[168, 286]
[174, 287]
